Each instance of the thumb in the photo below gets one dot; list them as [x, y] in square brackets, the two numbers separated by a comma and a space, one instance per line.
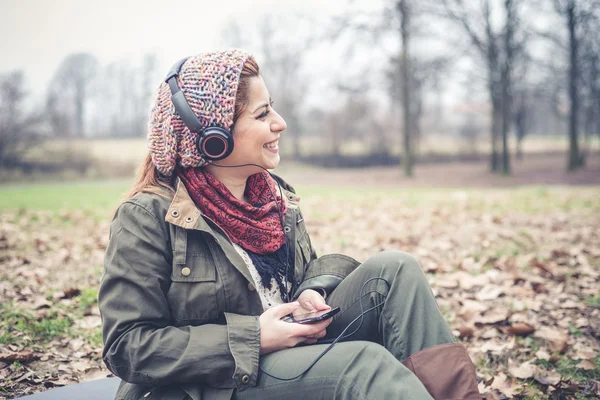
[282, 310]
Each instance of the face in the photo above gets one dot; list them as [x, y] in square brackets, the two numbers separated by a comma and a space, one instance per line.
[257, 130]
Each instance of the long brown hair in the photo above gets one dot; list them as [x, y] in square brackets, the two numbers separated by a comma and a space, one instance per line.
[147, 177]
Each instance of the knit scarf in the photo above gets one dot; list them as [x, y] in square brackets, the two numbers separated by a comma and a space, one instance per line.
[256, 225]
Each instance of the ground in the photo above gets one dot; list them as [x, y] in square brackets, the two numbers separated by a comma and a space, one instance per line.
[515, 269]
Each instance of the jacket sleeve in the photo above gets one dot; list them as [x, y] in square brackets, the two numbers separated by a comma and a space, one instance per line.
[325, 273]
[140, 343]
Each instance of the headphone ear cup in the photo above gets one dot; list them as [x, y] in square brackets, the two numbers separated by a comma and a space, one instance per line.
[215, 143]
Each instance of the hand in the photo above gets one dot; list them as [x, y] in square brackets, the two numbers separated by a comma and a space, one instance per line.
[278, 335]
[310, 301]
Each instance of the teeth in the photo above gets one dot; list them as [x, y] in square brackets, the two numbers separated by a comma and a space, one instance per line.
[272, 144]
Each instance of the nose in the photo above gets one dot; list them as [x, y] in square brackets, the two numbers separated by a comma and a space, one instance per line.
[278, 124]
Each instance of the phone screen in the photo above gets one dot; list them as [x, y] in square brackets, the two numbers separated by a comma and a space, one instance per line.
[311, 318]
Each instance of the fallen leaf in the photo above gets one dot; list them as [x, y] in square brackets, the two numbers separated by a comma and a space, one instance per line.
[465, 331]
[520, 329]
[41, 302]
[494, 316]
[59, 382]
[21, 356]
[507, 388]
[71, 292]
[548, 377]
[489, 292]
[525, 370]
[94, 374]
[557, 340]
[542, 355]
[586, 364]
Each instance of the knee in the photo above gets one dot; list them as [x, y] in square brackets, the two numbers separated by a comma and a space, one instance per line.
[365, 350]
[397, 261]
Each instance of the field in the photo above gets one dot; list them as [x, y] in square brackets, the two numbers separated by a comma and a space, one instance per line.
[516, 270]
[110, 158]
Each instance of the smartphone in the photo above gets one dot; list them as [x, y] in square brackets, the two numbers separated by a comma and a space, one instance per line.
[311, 318]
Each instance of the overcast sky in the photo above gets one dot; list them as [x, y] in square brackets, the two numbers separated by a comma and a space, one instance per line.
[38, 34]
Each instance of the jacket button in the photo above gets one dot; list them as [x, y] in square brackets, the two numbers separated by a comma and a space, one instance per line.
[189, 219]
[251, 287]
[245, 379]
[186, 271]
[287, 229]
[175, 213]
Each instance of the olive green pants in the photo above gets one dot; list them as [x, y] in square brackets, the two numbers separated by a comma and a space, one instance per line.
[366, 365]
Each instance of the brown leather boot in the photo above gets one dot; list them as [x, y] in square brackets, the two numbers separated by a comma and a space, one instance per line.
[446, 372]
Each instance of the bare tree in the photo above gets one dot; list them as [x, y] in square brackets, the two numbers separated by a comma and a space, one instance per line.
[506, 83]
[425, 74]
[282, 57]
[590, 78]
[398, 20]
[17, 127]
[477, 24]
[147, 73]
[404, 14]
[71, 84]
[575, 14]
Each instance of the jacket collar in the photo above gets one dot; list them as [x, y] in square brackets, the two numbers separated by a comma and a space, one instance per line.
[183, 212]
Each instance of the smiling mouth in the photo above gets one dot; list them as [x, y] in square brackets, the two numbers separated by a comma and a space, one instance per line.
[272, 145]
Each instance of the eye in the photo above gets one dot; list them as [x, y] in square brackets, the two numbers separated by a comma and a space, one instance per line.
[264, 114]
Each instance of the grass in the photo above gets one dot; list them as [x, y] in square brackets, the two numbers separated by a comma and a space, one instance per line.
[87, 298]
[19, 324]
[103, 196]
[59, 196]
[594, 301]
[568, 369]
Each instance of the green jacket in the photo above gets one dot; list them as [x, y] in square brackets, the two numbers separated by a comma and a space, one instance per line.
[178, 304]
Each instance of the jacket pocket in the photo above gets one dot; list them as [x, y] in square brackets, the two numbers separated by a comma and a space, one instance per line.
[192, 296]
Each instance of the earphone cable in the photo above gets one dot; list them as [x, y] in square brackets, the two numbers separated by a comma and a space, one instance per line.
[340, 336]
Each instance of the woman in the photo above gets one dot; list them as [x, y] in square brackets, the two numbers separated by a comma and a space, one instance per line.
[209, 252]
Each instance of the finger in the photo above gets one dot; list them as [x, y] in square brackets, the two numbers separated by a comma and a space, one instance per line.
[321, 334]
[320, 305]
[307, 340]
[311, 329]
[316, 298]
[282, 310]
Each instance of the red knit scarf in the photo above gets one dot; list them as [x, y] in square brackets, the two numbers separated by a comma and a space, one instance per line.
[256, 225]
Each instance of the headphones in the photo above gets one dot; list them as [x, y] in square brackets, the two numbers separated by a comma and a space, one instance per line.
[214, 142]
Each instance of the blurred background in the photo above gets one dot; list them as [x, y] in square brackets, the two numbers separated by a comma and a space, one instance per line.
[465, 132]
[499, 87]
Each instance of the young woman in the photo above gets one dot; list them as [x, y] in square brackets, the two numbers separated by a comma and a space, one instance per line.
[210, 252]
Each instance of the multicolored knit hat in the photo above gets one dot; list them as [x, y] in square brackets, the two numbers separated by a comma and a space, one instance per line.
[209, 82]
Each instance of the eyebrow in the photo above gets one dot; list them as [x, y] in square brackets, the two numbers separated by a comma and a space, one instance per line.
[263, 105]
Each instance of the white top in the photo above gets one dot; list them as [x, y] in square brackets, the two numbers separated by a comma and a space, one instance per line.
[268, 297]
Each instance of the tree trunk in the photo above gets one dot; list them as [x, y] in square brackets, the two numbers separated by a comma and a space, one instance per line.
[404, 33]
[495, 98]
[520, 118]
[506, 83]
[495, 133]
[79, 108]
[575, 160]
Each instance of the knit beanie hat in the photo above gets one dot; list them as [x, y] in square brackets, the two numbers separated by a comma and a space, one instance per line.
[209, 82]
